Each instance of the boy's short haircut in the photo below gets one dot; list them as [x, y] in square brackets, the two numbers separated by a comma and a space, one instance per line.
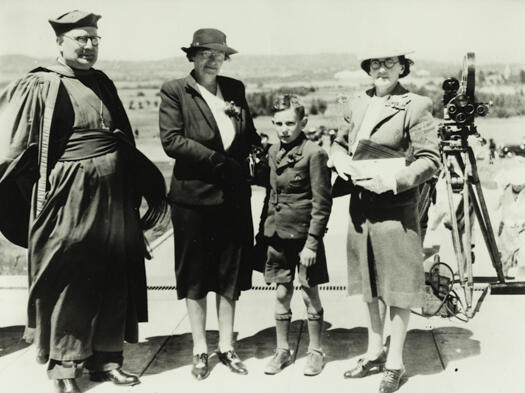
[287, 101]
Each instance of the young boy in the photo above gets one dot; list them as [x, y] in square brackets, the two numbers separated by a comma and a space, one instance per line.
[299, 207]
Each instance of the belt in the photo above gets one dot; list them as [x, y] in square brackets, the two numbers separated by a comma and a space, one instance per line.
[89, 143]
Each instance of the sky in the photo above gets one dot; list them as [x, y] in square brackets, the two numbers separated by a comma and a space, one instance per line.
[156, 29]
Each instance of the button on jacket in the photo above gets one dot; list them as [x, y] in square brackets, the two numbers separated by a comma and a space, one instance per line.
[300, 196]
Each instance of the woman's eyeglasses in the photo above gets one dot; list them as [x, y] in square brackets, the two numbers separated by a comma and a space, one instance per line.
[209, 53]
[387, 63]
[83, 39]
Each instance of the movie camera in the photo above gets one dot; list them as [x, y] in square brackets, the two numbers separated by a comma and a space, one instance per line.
[461, 176]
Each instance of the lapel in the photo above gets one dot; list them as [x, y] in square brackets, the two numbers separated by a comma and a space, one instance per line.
[290, 158]
[396, 102]
[359, 111]
[191, 86]
[229, 95]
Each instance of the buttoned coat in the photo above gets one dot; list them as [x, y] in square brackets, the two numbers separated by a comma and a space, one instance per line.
[300, 196]
[384, 245]
[208, 183]
[190, 135]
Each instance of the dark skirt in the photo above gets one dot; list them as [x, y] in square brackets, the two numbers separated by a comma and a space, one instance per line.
[86, 249]
[213, 249]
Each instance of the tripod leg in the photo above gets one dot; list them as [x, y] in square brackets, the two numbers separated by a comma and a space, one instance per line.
[456, 241]
[488, 233]
[467, 241]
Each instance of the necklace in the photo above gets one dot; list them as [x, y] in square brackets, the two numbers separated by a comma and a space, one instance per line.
[100, 109]
[101, 117]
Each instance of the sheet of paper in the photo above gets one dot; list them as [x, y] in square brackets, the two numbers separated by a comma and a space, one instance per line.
[367, 169]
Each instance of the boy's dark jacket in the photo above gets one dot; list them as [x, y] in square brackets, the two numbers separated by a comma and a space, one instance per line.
[300, 197]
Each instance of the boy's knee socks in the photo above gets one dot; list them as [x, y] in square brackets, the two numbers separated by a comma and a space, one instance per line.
[282, 329]
[315, 327]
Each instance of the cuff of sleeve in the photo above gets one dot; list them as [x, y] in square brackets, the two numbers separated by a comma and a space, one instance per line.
[216, 159]
[394, 185]
[312, 242]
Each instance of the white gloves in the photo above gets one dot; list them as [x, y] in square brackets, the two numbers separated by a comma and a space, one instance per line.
[344, 166]
[379, 184]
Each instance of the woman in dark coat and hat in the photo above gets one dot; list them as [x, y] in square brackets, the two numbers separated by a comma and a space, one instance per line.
[385, 259]
[205, 125]
[86, 244]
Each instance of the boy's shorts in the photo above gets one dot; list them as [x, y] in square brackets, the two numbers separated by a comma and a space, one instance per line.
[283, 258]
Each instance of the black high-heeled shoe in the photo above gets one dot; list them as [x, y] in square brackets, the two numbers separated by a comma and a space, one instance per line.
[200, 369]
[391, 380]
[366, 367]
[232, 360]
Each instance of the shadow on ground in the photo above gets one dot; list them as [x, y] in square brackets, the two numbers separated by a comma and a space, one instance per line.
[11, 339]
[426, 351]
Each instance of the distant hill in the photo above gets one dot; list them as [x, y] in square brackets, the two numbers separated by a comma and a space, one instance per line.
[250, 68]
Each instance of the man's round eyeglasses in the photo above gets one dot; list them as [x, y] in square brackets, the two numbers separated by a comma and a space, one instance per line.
[83, 39]
[387, 63]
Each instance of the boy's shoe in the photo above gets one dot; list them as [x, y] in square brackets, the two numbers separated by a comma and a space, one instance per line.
[314, 363]
[366, 367]
[281, 359]
[391, 380]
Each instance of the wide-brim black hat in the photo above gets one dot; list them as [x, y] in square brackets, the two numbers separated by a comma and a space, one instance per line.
[210, 39]
[73, 20]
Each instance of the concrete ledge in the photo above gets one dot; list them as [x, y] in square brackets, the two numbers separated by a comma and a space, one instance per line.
[13, 282]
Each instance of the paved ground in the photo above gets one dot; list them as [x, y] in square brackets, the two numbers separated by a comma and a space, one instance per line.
[483, 355]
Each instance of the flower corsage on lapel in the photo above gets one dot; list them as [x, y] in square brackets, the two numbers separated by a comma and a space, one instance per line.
[398, 102]
[232, 110]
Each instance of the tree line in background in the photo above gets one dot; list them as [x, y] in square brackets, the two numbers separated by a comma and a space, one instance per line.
[261, 103]
[503, 105]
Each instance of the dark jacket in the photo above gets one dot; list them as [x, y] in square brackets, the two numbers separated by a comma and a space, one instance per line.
[300, 197]
[204, 173]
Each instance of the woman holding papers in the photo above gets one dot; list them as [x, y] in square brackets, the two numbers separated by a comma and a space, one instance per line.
[386, 123]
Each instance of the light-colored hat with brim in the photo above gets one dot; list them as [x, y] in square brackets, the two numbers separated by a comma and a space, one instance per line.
[210, 39]
[515, 176]
[73, 20]
[380, 54]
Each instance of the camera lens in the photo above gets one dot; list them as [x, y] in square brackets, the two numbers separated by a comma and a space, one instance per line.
[481, 110]
[462, 100]
[461, 118]
[469, 109]
[452, 109]
[450, 84]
